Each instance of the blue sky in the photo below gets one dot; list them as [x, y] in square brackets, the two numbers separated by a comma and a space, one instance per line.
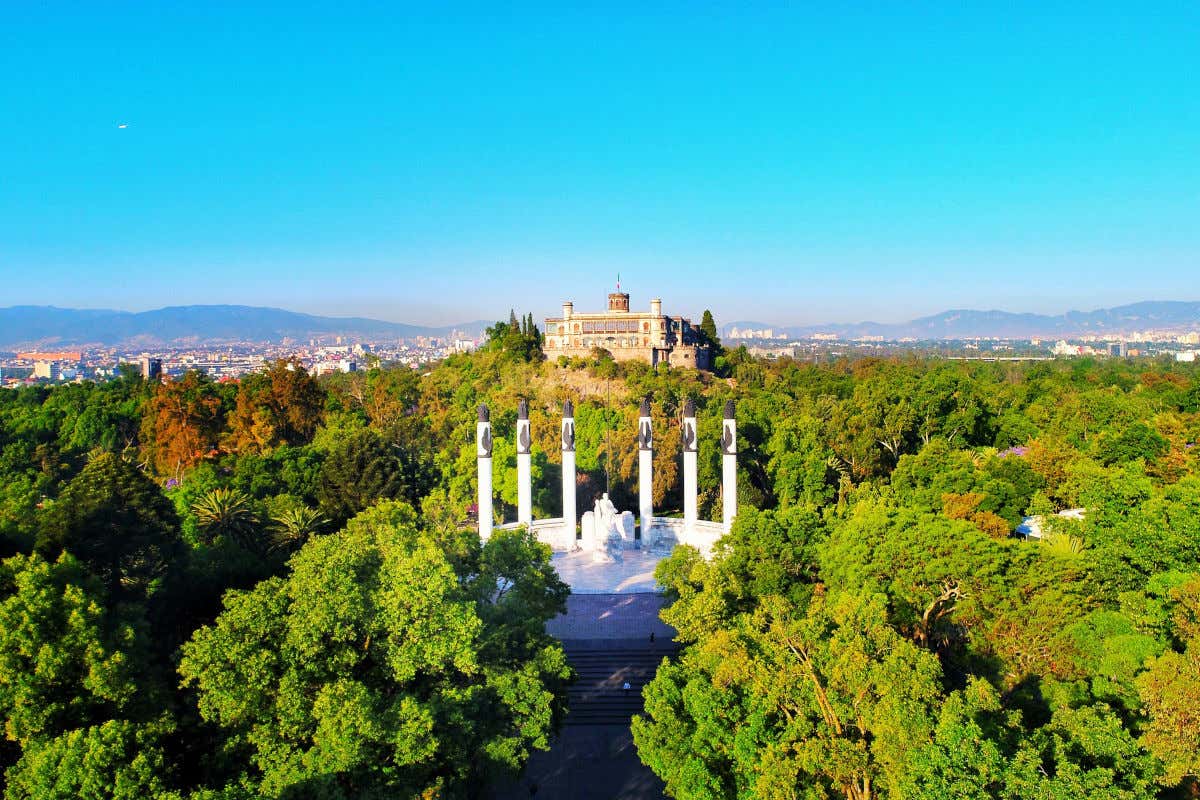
[796, 163]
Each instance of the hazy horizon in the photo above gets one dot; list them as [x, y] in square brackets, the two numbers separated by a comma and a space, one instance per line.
[721, 319]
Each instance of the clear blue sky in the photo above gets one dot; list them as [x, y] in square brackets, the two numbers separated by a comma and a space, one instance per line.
[791, 165]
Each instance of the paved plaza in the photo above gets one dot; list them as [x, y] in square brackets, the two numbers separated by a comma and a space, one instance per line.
[595, 617]
[633, 573]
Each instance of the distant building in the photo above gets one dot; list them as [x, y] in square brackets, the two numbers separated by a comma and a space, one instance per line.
[648, 336]
[47, 370]
[69, 356]
[1186, 356]
[1062, 348]
[752, 333]
[151, 368]
[768, 351]
[341, 365]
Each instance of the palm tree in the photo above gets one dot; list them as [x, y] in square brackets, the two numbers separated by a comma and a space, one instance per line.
[1062, 543]
[294, 526]
[229, 513]
[845, 484]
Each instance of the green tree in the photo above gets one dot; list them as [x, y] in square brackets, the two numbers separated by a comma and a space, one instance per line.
[364, 672]
[520, 340]
[295, 525]
[77, 696]
[115, 760]
[981, 750]
[361, 469]
[708, 332]
[229, 513]
[61, 666]
[829, 701]
[1136, 441]
[117, 522]
[1170, 690]
[800, 463]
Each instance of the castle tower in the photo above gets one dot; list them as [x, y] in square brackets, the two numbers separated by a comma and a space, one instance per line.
[618, 301]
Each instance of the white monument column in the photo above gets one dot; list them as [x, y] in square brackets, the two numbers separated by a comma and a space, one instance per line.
[524, 466]
[645, 467]
[568, 472]
[729, 466]
[689, 464]
[483, 457]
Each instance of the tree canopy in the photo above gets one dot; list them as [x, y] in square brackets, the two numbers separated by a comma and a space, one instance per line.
[872, 626]
[375, 669]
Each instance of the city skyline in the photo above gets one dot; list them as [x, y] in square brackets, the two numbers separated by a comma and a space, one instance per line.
[799, 167]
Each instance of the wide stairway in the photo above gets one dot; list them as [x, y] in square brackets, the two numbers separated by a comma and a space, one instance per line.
[607, 640]
[602, 669]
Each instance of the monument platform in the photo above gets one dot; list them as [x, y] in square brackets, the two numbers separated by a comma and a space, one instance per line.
[634, 573]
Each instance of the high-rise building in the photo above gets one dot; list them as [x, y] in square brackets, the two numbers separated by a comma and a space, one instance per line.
[47, 370]
[151, 368]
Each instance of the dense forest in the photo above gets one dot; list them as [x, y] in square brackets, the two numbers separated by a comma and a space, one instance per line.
[273, 587]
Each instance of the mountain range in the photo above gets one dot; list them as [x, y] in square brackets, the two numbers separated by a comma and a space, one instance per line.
[24, 327]
[968, 324]
[48, 326]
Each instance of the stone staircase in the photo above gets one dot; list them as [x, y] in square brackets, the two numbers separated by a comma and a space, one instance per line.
[602, 668]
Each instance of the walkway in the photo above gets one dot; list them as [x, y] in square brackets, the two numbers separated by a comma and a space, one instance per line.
[607, 640]
[633, 573]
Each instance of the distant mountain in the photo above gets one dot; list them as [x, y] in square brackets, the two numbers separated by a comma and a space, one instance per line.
[44, 326]
[1168, 315]
[25, 327]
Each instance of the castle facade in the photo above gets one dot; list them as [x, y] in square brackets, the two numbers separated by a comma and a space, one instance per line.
[648, 336]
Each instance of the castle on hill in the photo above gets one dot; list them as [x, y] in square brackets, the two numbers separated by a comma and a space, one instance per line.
[648, 336]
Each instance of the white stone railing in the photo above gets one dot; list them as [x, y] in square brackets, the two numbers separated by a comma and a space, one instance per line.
[549, 531]
[704, 535]
[664, 532]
